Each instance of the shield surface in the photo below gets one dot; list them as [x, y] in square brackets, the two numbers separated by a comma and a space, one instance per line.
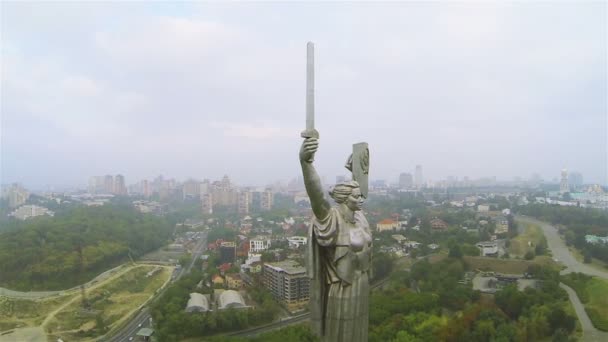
[359, 166]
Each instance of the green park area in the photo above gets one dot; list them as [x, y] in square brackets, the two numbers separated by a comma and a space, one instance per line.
[527, 241]
[108, 305]
[592, 293]
[24, 313]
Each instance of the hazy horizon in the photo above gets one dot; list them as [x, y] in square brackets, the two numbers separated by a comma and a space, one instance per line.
[206, 89]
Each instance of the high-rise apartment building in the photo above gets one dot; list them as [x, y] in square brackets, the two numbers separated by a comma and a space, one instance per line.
[406, 180]
[244, 203]
[563, 184]
[146, 189]
[191, 189]
[108, 184]
[16, 195]
[418, 179]
[119, 185]
[207, 203]
[267, 200]
[575, 179]
[288, 282]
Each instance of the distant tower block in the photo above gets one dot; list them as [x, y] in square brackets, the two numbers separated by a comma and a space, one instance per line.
[418, 179]
[563, 185]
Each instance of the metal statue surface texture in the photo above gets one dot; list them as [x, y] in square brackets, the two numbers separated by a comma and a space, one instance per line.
[340, 242]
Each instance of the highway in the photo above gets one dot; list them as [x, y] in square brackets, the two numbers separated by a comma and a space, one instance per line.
[143, 319]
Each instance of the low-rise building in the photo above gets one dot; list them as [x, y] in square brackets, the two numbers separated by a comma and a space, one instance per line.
[259, 244]
[28, 211]
[488, 248]
[230, 299]
[387, 224]
[438, 224]
[217, 280]
[234, 281]
[297, 241]
[502, 225]
[197, 303]
[594, 239]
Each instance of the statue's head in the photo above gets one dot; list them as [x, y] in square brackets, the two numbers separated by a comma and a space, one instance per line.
[348, 193]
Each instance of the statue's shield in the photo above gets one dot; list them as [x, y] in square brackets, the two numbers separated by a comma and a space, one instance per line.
[358, 164]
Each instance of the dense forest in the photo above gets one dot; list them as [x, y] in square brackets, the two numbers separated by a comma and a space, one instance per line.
[576, 222]
[54, 253]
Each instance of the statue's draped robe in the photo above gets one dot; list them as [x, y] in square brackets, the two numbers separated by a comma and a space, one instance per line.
[339, 265]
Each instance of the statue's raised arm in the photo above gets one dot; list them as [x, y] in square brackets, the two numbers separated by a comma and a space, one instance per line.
[320, 206]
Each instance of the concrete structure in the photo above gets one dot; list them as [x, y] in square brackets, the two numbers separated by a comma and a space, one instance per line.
[259, 244]
[438, 224]
[387, 224]
[191, 189]
[197, 303]
[406, 181]
[502, 225]
[483, 208]
[28, 211]
[418, 179]
[119, 187]
[267, 200]
[108, 184]
[234, 281]
[217, 280]
[575, 179]
[16, 195]
[288, 282]
[230, 299]
[244, 202]
[207, 203]
[563, 184]
[227, 251]
[297, 241]
[488, 248]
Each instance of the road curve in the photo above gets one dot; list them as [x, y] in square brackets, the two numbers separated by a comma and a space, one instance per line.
[561, 252]
[590, 333]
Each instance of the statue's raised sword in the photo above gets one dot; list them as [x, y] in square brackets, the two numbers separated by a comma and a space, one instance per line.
[310, 131]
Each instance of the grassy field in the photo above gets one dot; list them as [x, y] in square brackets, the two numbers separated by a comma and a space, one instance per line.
[20, 313]
[509, 266]
[109, 304]
[526, 241]
[597, 308]
[593, 293]
[595, 263]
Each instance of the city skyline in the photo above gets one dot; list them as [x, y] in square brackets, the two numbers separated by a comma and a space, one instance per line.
[477, 90]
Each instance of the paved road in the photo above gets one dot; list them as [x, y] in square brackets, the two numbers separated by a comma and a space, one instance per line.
[590, 333]
[561, 252]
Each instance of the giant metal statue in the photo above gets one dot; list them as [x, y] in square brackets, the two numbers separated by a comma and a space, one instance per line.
[340, 241]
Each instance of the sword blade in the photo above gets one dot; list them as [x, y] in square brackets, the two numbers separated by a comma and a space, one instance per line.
[310, 86]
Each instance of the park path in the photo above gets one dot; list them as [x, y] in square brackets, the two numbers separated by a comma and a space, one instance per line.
[560, 251]
[44, 294]
[590, 333]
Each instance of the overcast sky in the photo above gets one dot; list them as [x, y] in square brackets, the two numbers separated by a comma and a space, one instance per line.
[202, 90]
